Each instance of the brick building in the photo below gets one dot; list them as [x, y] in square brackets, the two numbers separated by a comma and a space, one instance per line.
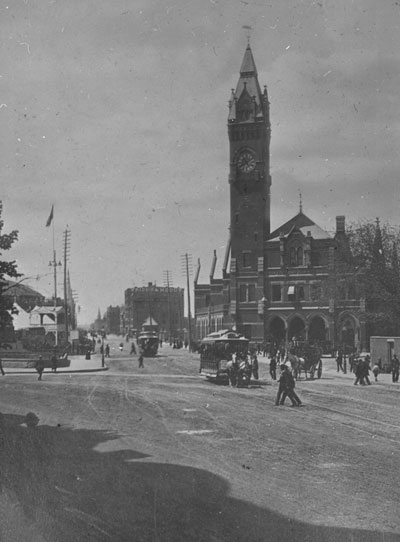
[294, 282]
[165, 305]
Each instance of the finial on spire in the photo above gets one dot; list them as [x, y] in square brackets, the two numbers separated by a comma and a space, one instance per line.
[300, 202]
[248, 33]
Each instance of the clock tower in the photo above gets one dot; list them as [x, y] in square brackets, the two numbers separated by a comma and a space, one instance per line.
[249, 134]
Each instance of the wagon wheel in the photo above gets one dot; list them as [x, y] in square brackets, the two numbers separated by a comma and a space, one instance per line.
[319, 370]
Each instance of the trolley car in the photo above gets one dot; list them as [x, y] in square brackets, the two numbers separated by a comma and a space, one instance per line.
[148, 342]
[216, 350]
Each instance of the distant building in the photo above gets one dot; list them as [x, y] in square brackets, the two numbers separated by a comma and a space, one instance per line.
[52, 320]
[164, 305]
[25, 296]
[295, 283]
[113, 320]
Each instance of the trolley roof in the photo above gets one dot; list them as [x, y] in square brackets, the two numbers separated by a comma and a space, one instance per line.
[224, 335]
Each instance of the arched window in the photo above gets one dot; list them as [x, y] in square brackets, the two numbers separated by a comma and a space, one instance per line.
[300, 256]
[293, 256]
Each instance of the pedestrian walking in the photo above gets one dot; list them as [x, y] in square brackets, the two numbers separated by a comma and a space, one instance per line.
[133, 348]
[1, 367]
[358, 371]
[375, 371]
[54, 362]
[107, 351]
[141, 365]
[365, 369]
[280, 386]
[39, 366]
[395, 369]
[288, 388]
[339, 361]
[272, 367]
[254, 365]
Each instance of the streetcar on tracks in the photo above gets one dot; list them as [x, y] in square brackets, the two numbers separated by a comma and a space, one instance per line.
[216, 351]
[148, 342]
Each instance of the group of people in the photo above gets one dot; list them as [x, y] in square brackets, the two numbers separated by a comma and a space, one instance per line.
[241, 368]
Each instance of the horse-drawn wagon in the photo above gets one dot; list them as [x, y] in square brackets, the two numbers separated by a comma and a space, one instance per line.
[306, 358]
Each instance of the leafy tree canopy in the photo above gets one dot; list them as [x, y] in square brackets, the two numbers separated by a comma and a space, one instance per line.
[374, 249]
[8, 270]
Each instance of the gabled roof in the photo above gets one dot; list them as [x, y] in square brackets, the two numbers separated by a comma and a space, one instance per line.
[47, 310]
[150, 322]
[16, 289]
[302, 223]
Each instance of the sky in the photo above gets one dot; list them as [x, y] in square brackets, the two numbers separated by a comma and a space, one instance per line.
[115, 111]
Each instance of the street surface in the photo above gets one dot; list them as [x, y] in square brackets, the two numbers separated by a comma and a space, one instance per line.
[160, 454]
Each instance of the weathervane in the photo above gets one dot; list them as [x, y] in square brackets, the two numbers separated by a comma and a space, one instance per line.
[300, 202]
[248, 33]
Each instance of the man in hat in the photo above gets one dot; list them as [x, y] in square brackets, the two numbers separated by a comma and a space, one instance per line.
[395, 369]
[39, 366]
[288, 384]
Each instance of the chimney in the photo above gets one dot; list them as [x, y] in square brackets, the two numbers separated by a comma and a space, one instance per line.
[340, 224]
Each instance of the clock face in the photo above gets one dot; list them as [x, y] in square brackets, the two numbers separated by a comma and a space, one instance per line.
[246, 162]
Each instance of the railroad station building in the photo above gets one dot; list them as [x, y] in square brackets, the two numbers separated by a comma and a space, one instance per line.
[294, 283]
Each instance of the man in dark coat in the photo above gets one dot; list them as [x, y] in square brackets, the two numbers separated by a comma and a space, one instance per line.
[395, 368]
[272, 367]
[288, 384]
[39, 366]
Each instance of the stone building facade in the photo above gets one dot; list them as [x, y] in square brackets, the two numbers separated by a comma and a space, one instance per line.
[165, 305]
[296, 282]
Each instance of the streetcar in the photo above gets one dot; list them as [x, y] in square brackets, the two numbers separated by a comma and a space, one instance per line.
[216, 350]
[148, 342]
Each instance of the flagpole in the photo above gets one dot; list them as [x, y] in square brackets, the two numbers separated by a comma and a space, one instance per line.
[53, 263]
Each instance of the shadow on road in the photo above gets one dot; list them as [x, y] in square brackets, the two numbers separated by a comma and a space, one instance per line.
[71, 492]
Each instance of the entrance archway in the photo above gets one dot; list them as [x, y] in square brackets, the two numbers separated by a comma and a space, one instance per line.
[277, 331]
[347, 332]
[317, 330]
[297, 329]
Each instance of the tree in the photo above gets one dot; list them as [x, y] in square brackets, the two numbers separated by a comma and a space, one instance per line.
[8, 270]
[374, 248]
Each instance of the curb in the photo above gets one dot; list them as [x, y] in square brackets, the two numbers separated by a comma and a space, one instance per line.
[33, 371]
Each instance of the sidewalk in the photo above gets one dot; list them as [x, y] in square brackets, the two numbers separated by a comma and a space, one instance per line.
[78, 365]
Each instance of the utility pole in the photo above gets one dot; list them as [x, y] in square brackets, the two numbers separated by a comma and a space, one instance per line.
[67, 241]
[186, 261]
[54, 264]
[168, 283]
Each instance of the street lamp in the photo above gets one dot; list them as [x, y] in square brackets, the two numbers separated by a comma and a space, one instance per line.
[102, 349]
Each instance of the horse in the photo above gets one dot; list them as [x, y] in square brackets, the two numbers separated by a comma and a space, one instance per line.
[297, 364]
[243, 374]
[231, 369]
[239, 372]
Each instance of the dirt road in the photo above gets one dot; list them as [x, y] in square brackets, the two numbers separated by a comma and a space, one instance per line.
[158, 454]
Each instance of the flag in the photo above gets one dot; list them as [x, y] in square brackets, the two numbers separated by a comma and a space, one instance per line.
[51, 216]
